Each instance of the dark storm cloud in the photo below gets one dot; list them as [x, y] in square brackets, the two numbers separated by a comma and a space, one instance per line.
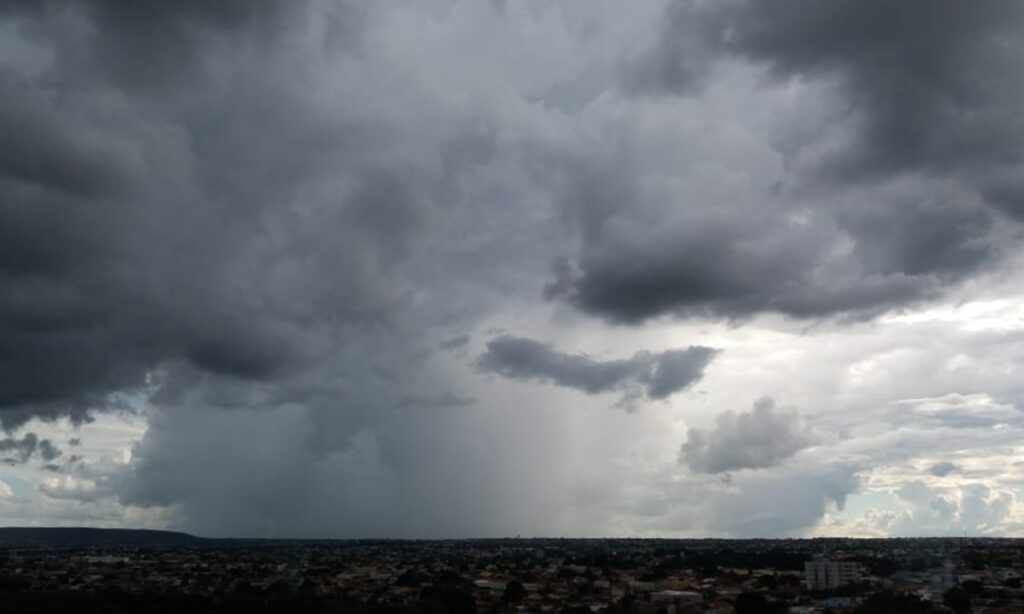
[455, 344]
[916, 235]
[934, 80]
[659, 374]
[644, 256]
[171, 194]
[926, 99]
[258, 222]
[170, 35]
[760, 438]
[48, 451]
[434, 402]
[25, 447]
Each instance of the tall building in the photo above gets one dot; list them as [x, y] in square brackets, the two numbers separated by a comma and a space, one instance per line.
[823, 573]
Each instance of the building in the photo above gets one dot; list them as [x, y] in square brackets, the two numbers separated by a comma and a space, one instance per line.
[822, 573]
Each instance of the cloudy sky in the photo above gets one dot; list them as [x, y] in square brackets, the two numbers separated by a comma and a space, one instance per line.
[467, 268]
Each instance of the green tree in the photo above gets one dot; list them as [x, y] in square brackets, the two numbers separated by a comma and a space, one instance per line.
[514, 592]
[958, 600]
[888, 603]
[751, 603]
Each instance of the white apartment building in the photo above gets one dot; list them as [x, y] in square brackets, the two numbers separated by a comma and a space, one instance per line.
[823, 573]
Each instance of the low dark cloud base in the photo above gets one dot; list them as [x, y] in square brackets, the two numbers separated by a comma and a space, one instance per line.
[656, 375]
[927, 105]
[15, 450]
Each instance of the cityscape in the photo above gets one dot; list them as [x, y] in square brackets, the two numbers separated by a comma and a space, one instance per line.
[110, 572]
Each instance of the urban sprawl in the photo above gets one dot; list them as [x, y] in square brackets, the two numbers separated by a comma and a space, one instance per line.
[514, 575]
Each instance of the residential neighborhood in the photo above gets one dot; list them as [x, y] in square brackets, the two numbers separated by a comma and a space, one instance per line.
[657, 576]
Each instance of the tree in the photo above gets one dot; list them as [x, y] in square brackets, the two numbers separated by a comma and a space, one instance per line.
[409, 577]
[887, 603]
[958, 600]
[514, 592]
[751, 603]
[450, 598]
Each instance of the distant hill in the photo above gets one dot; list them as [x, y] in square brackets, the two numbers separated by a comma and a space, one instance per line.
[77, 537]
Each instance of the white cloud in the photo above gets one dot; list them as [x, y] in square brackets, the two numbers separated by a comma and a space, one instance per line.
[762, 437]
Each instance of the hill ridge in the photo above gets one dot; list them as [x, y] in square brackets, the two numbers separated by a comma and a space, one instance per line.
[93, 536]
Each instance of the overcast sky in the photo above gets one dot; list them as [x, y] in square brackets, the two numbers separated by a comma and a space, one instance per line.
[468, 268]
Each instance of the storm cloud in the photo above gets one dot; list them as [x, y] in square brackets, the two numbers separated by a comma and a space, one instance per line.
[147, 225]
[901, 147]
[659, 375]
[23, 448]
[926, 82]
[316, 267]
